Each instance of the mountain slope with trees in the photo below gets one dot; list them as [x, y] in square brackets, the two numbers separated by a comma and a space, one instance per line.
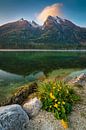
[54, 33]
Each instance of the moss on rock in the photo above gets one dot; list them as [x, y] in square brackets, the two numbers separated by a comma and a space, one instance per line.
[21, 94]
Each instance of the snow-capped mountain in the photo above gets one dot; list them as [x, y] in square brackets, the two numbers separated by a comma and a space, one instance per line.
[55, 31]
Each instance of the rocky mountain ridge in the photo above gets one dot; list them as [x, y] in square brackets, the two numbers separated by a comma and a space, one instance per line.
[54, 33]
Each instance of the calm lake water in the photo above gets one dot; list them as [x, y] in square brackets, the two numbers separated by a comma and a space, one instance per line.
[16, 65]
[26, 62]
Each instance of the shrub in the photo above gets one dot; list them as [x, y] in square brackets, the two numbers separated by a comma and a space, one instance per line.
[57, 97]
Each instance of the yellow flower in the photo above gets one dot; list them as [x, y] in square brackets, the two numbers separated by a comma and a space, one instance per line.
[64, 124]
[50, 106]
[58, 102]
[39, 98]
[56, 105]
[63, 103]
[52, 96]
[54, 87]
[58, 90]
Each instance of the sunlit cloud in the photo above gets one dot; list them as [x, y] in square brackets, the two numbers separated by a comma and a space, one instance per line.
[53, 10]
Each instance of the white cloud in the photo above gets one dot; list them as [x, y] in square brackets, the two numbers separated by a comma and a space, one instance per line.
[53, 10]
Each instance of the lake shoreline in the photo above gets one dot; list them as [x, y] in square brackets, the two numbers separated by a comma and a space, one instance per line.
[39, 50]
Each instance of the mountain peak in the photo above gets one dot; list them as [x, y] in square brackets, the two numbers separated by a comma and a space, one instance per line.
[60, 19]
[29, 23]
[52, 21]
[22, 19]
[49, 17]
[34, 24]
[55, 19]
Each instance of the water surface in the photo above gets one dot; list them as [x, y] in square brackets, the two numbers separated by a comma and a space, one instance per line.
[16, 68]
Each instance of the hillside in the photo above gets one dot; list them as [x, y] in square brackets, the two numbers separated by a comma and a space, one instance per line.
[54, 33]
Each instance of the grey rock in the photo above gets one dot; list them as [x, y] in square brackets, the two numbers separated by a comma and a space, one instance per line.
[13, 117]
[32, 107]
[77, 78]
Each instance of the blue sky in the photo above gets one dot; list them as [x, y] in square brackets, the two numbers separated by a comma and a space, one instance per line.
[12, 10]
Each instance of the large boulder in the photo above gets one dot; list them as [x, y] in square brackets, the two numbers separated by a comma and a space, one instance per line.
[32, 107]
[77, 78]
[13, 117]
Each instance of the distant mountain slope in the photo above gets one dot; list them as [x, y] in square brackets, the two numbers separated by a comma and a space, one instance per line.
[55, 33]
[63, 31]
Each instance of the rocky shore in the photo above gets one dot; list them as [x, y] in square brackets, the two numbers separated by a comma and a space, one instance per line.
[30, 116]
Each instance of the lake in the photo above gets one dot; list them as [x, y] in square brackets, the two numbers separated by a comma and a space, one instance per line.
[15, 66]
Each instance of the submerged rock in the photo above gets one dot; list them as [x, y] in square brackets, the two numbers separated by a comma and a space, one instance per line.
[32, 107]
[38, 75]
[77, 78]
[13, 117]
